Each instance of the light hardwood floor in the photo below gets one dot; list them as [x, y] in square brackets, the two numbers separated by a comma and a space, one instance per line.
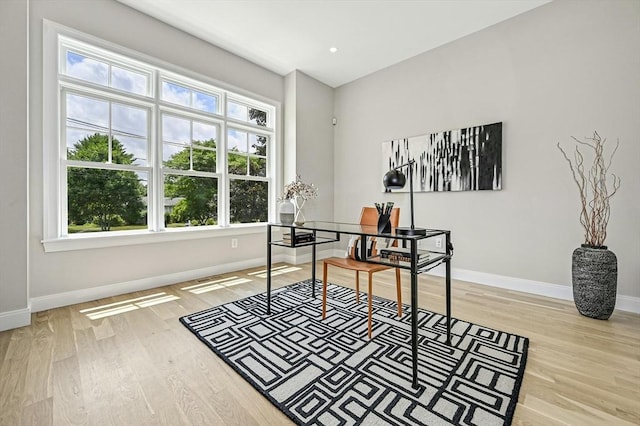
[140, 366]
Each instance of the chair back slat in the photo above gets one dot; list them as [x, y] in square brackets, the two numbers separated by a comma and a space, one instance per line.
[369, 216]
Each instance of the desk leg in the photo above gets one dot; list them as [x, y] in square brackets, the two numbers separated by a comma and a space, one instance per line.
[448, 286]
[268, 269]
[313, 268]
[414, 311]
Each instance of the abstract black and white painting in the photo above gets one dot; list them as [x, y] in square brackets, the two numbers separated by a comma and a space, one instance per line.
[468, 159]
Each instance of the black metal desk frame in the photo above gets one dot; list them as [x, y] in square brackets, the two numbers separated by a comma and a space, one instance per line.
[329, 232]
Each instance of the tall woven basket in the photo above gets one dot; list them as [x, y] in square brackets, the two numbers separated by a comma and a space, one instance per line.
[595, 281]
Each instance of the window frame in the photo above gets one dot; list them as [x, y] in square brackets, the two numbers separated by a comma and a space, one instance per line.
[58, 40]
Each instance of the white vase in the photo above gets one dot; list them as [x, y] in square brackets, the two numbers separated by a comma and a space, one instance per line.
[287, 211]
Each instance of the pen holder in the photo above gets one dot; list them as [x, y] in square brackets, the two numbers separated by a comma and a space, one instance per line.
[384, 224]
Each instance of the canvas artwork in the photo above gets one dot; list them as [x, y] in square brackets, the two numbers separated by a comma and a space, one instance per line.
[468, 159]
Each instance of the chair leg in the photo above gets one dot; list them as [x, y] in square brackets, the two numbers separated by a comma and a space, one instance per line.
[370, 301]
[357, 286]
[324, 290]
[399, 291]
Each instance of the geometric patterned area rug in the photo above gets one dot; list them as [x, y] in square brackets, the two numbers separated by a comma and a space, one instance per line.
[329, 373]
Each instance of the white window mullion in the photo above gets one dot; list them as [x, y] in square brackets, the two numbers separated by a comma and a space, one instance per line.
[223, 185]
[221, 167]
[157, 152]
[67, 86]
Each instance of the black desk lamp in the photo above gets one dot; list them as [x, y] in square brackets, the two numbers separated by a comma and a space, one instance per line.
[395, 179]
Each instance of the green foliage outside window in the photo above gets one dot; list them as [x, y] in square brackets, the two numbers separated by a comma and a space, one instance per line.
[103, 197]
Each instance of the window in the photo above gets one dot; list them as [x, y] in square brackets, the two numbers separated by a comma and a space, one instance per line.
[144, 149]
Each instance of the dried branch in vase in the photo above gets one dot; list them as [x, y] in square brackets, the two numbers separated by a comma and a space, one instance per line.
[592, 185]
[299, 189]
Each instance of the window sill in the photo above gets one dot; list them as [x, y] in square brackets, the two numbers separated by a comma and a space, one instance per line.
[129, 238]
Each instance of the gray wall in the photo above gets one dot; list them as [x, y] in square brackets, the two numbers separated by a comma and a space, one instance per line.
[73, 271]
[308, 148]
[566, 68]
[13, 162]
[313, 143]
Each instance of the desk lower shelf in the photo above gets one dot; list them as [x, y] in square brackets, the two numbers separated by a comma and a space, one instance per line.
[424, 265]
[292, 244]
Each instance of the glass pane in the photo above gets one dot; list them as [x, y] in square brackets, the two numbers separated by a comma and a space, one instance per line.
[257, 166]
[190, 201]
[87, 69]
[87, 113]
[204, 160]
[237, 111]
[128, 150]
[176, 94]
[106, 200]
[129, 81]
[249, 201]
[129, 126]
[74, 144]
[258, 117]
[258, 144]
[177, 130]
[237, 140]
[237, 164]
[205, 102]
[176, 156]
[203, 132]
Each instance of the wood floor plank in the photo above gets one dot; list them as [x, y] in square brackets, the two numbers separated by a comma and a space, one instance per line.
[141, 366]
[68, 393]
[13, 372]
[39, 378]
[38, 413]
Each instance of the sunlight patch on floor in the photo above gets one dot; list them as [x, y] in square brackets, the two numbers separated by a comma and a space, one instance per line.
[280, 270]
[128, 305]
[215, 284]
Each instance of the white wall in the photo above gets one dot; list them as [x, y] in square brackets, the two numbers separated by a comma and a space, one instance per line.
[566, 68]
[14, 310]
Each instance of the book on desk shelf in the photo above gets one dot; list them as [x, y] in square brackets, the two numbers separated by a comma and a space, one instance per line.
[398, 254]
[300, 237]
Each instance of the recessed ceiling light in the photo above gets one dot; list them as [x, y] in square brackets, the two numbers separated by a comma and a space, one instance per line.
[333, 49]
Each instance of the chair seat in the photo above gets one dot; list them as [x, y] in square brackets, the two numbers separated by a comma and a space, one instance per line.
[369, 217]
[355, 265]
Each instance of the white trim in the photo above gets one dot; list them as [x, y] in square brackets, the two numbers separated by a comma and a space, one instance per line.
[56, 39]
[540, 288]
[85, 295]
[114, 238]
[628, 304]
[22, 317]
[292, 257]
[15, 319]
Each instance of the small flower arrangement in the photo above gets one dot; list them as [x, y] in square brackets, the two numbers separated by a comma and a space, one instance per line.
[299, 189]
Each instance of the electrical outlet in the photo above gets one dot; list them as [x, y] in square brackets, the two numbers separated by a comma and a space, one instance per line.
[234, 243]
[439, 242]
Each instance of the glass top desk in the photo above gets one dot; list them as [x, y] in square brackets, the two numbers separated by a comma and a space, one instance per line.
[329, 232]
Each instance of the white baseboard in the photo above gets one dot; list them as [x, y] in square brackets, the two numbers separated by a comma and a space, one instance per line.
[22, 317]
[294, 258]
[85, 295]
[15, 319]
[540, 288]
[57, 300]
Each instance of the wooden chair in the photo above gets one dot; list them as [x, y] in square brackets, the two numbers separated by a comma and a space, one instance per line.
[369, 216]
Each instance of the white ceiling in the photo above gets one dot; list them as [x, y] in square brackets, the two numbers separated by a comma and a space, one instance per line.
[288, 35]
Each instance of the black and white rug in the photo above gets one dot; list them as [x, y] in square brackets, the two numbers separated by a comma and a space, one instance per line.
[329, 373]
